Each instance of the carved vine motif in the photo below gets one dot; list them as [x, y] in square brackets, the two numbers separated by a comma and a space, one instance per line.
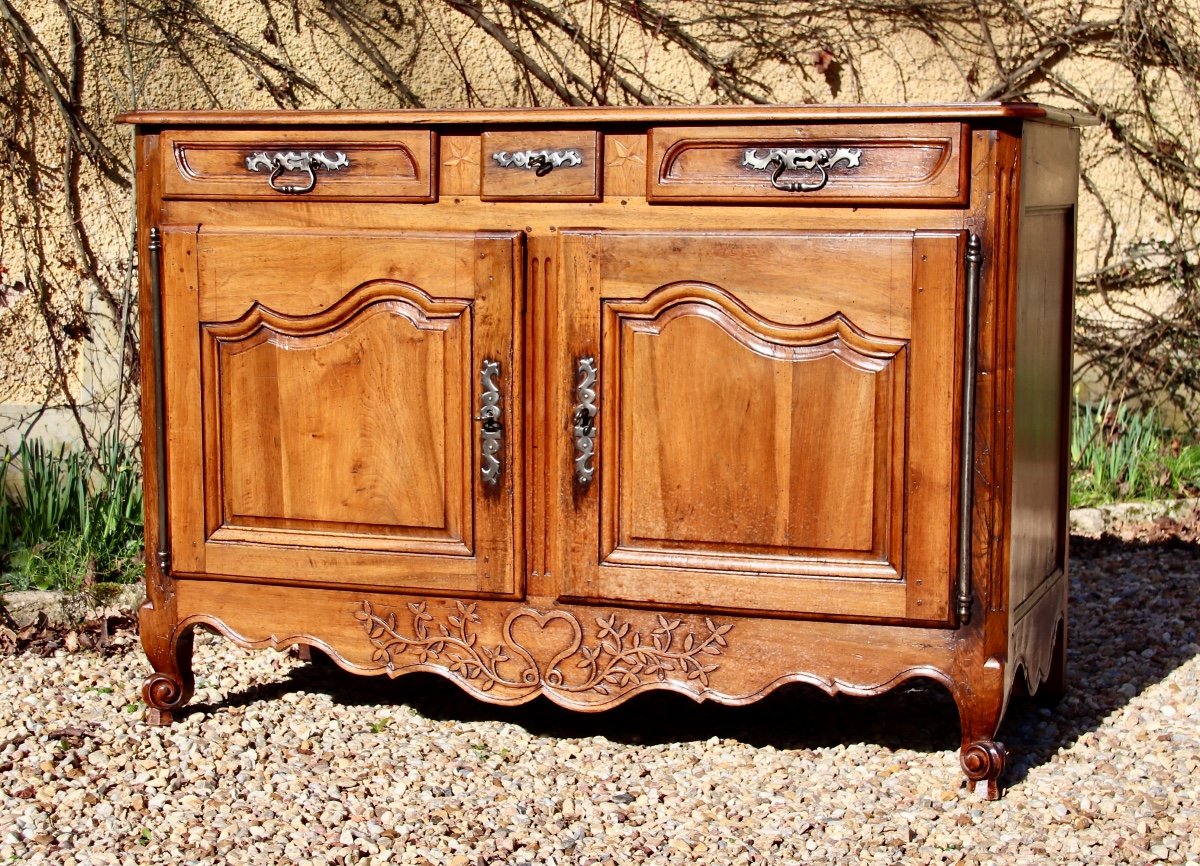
[617, 659]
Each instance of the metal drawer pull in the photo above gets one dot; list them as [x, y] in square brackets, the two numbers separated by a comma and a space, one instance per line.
[306, 161]
[491, 432]
[791, 159]
[584, 421]
[541, 161]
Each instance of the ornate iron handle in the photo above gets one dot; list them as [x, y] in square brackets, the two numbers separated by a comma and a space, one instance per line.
[584, 420]
[491, 432]
[791, 159]
[305, 161]
[541, 161]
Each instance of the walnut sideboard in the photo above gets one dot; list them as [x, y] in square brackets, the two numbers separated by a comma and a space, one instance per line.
[582, 403]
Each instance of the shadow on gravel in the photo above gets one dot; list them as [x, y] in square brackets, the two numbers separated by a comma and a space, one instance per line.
[1134, 619]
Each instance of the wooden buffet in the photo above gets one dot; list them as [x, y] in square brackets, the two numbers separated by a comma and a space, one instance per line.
[581, 403]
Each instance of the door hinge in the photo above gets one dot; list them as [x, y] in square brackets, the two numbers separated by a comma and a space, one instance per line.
[973, 263]
[154, 248]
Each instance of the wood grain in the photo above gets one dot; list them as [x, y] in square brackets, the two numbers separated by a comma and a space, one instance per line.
[400, 118]
[728, 470]
[779, 395]
[918, 163]
[392, 166]
[280, 484]
[565, 183]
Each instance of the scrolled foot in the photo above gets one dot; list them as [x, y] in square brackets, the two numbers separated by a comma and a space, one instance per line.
[983, 762]
[163, 695]
[171, 684]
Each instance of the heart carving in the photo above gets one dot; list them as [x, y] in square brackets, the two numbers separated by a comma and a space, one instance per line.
[534, 644]
[543, 633]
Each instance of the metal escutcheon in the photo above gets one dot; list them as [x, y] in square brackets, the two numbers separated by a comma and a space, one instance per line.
[779, 160]
[304, 161]
[542, 162]
[583, 422]
[491, 431]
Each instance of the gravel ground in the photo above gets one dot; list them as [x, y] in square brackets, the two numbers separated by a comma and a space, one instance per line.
[285, 762]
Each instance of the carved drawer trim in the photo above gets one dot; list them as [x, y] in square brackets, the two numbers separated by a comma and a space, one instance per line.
[886, 164]
[389, 166]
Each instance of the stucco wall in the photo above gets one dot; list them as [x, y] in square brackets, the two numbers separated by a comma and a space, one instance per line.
[65, 215]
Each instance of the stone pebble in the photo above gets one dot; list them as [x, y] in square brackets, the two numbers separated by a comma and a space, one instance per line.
[279, 761]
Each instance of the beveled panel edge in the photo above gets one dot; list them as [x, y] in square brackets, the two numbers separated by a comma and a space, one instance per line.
[420, 147]
[864, 352]
[945, 184]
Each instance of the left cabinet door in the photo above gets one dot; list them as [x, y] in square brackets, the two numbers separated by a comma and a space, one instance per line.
[343, 407]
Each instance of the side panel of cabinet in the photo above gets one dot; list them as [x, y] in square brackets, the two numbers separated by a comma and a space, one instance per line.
[776, 423]
[324, 394]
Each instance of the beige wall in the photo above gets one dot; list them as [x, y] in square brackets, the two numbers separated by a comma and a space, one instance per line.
[65, 236]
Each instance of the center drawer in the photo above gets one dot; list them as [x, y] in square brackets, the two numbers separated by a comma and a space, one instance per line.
[540, 165]
[879, 163]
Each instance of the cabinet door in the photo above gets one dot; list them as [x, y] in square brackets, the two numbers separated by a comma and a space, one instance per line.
[324, 395]
[775, 424]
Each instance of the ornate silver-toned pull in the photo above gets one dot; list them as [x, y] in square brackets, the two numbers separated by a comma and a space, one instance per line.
[306, 161]
[792, 159]
[491, 432]
[541, 161]
[584, 421]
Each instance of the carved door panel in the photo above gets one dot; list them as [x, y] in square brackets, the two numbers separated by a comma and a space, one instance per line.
[342, 377]
[760, 421]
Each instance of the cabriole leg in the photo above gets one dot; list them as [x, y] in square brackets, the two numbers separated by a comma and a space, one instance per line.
[980, 709]
[170, 652]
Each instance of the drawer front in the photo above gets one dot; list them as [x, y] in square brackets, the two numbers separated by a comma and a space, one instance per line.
[287, 164]
[540, 166]
[911, 163]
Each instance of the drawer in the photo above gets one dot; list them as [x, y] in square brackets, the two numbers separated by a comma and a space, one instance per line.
[286, 164]
[532, 165]
[879, 163]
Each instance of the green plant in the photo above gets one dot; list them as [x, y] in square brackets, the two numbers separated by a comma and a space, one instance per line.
[1123, 452]
[73, 519]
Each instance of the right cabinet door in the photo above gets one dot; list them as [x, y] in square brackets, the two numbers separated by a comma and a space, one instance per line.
[761, 421]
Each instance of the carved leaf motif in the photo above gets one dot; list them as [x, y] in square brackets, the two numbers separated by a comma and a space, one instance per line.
[619, 658]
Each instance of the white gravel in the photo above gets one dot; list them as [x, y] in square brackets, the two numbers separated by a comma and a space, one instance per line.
[283, 762]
